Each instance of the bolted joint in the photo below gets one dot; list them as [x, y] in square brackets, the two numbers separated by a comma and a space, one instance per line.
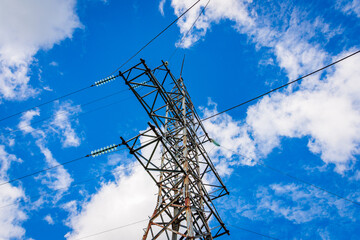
[123, 142]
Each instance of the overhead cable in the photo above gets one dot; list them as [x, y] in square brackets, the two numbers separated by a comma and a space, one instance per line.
[145, 220]
[172, 23]
[282, 86]
[101, 151]
[94, 153]
[79, 114]
[107, 79]
[310, 184]
[251, 231]
[295, 178]
[98, 83]
[188, 31]
[112, 229]
[42, 104]
[71, 186]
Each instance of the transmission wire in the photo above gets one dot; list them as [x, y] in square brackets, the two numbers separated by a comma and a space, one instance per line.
[134, 223]
[82, 89]
[172, 23]
[112, 229]
[72, 185]
[42, 104]
[282, 86]
[251, 231]
[77, 115]
[60, 164]
[189, 30]
[42, 170]
[82, 113]
[46, 169]
[77, 183]
[296, 178]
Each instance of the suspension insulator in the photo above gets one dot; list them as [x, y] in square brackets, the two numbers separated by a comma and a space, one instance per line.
[104, 150]
[105, 80]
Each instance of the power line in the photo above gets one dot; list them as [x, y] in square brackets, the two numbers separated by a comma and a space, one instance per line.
[47, 169]
[79, 114]
[42, 104]
[72, 185]
[310, 184]
[40, 171]
[105, 80]
[282, 86]
[112, 229]
[251, 231]
[134, 223]
[189, 30]
[96, 84]
[111, 148]
[296, 178]
[172, 23]
[79, 182]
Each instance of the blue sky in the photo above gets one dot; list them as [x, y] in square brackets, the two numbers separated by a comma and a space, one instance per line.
[237, 50]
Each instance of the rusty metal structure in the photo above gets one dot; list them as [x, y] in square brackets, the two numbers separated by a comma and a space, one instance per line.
[172, 151]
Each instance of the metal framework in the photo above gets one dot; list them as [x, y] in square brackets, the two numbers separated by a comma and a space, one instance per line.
[172, 151]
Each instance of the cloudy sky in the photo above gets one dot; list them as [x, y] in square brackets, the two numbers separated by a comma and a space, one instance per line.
[237, 50]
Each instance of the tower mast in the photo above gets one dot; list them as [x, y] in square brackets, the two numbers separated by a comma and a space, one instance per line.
[171, 150]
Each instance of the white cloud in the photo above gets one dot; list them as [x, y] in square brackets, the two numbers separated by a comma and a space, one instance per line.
[11, 216]
[161, 6]
[57, 178]
[26, 27]
[288, 34]
[62, 123]
[326, 110]
[54, 64]
[49, 219]
[294, 203]
[233, 137]
[25, 126]
[130, 198]
[324, 234]
[47, 88]
[6, 159]
[356, 175]
[349, 7]
[305, 209]
[217, 10]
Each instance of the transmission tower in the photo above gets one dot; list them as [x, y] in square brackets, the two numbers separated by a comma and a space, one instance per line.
[172, 151]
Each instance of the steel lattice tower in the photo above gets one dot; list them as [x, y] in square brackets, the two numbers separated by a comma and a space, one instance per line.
[171, 150]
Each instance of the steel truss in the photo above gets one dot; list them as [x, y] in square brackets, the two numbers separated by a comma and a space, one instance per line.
[171, 150]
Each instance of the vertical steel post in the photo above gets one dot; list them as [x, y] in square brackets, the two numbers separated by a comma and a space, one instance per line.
[189, 220]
